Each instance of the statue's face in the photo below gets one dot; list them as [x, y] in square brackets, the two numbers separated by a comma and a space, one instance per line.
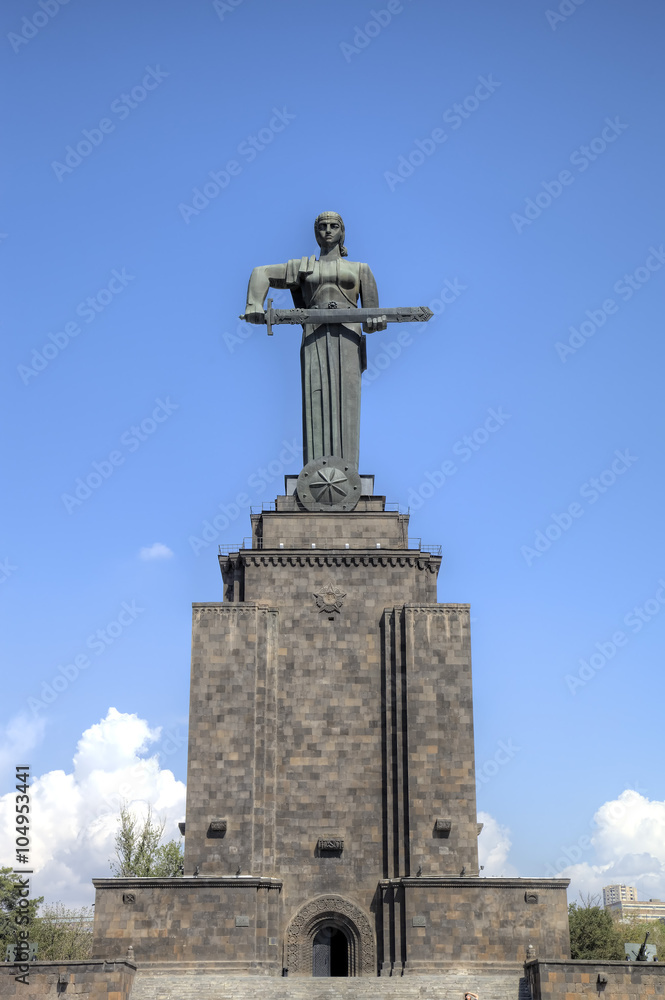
[329, 232]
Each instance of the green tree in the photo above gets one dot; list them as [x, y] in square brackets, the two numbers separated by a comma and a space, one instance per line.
[138, 849]
[593, 933]
[169, 859]
[10, 896]
[62, 934]
[634, 931]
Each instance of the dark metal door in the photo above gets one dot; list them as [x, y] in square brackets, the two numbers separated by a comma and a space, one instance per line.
[321, 954]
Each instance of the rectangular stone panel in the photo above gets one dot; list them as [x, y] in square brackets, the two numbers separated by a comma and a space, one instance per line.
[231, 767]
[473, 920]
[436, 648]
[190, 920]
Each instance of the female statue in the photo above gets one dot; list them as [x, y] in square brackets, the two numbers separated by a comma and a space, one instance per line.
[332, 355]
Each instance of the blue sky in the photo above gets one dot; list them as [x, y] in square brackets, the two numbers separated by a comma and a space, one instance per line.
[499, 162]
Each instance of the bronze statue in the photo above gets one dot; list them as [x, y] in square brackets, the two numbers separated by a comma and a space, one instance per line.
[332, 355]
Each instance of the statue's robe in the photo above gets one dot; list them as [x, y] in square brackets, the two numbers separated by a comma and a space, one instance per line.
[332, 355]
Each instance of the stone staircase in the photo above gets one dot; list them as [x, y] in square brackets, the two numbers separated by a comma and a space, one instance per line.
[176, 983]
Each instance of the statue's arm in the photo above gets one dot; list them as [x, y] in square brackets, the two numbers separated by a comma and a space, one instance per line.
[262, 279]
[369, 299]
[369, 295]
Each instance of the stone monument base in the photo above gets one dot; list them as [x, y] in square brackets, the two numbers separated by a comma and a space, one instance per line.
[414, 927]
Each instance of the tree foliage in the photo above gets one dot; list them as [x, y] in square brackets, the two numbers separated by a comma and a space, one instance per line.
[10, 895]
[593, 932]
[138, 849]
[634, 931]
[62, 934]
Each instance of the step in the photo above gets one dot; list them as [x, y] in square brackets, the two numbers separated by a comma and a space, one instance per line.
[170, 983]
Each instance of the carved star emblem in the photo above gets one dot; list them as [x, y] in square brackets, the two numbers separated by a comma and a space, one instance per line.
[329, 486]
[330, 599]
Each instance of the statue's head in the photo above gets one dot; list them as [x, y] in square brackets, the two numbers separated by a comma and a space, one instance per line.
[330, 220]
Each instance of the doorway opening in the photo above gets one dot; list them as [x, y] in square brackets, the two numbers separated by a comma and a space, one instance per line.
[330, 952]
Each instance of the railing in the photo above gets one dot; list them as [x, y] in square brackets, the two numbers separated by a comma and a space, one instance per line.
[415, 543]
[269, 507]
[226, 550]
[248, 543]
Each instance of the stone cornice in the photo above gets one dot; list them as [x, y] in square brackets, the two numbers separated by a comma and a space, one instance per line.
[440, 609]
[190, 882]
[46, 965]
[347, 557]
[250, 607]
[475, 882]
[594, 963]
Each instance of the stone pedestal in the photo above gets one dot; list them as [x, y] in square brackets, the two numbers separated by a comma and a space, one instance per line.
[331, 767]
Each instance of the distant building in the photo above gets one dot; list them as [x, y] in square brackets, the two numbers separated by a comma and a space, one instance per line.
[622, 901]
[619, 894]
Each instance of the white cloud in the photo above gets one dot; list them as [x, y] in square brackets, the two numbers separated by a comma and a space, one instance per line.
[493, 847]
[156, 551]
[628, 845]
[75, 816]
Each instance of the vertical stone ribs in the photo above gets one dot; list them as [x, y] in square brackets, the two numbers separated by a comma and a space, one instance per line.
[427, 730]
[396, 860]
[265, 743]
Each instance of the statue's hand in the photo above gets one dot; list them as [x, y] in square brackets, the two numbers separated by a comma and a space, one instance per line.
[252, 316]
[376, 324]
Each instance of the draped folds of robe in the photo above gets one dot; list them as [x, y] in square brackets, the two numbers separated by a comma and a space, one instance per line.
[332, 355]
[331, 366]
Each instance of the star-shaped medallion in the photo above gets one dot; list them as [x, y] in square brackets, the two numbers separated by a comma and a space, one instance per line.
[329, 486]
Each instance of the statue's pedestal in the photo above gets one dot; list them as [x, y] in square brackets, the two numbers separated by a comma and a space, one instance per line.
[331, 790]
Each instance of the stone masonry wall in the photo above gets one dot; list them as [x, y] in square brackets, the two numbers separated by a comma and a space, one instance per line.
[190, 920]
[601, 980]
[482, 920]
[89, 979]
[330, 748]
[436, 650]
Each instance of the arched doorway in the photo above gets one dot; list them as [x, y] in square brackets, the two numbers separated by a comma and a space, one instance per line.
[330, 936]
[330, 952]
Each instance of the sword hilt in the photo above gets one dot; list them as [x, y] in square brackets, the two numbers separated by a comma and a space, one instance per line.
[269, 316]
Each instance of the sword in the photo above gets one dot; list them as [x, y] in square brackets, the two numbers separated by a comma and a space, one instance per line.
[333, 314]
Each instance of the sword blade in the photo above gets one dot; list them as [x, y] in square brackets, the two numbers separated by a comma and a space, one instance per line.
[316, 317]
[401, 314]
